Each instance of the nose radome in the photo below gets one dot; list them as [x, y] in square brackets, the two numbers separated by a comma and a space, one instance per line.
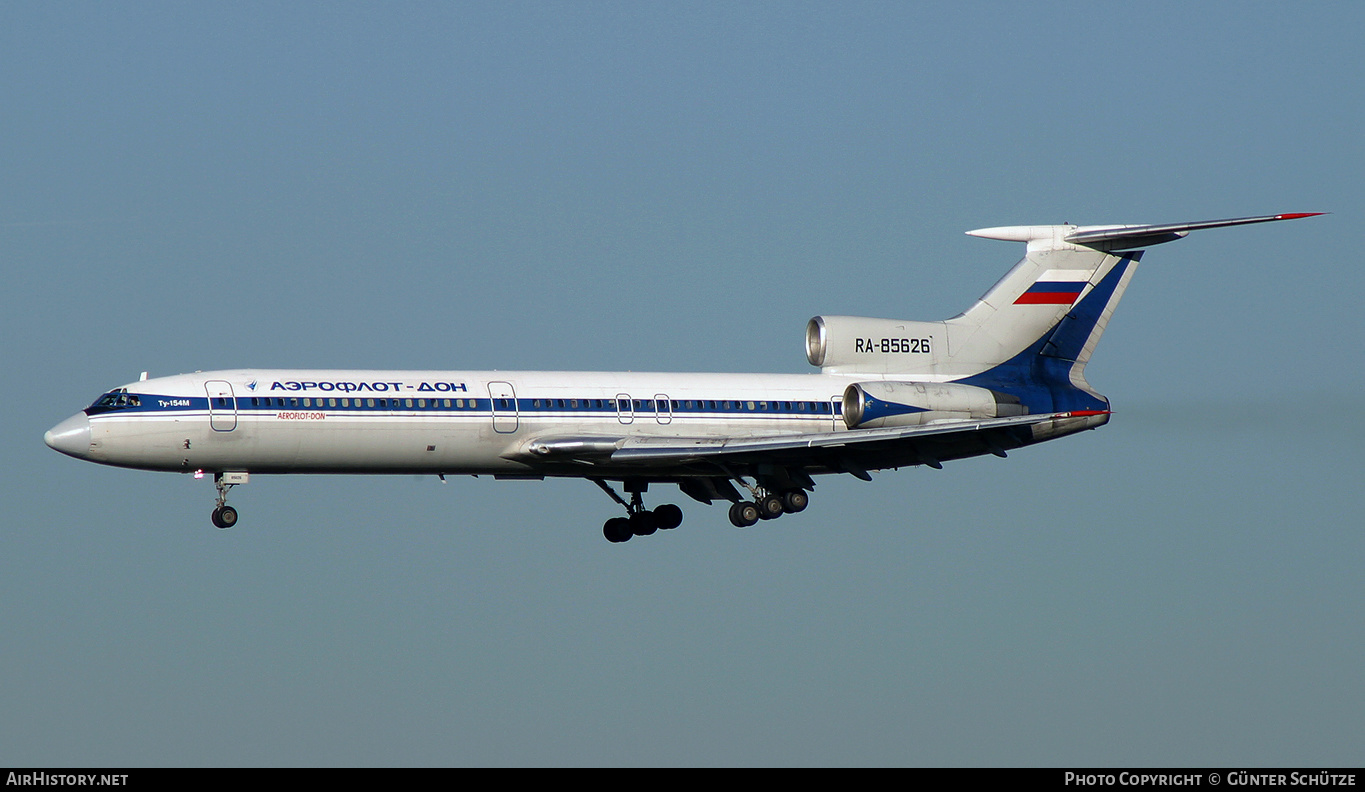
[71, 437]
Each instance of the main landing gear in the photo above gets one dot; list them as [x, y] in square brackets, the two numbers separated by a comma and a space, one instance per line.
[638, 521]
[224, 516]
[766, 506]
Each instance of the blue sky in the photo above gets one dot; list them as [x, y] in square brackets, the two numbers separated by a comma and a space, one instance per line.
[680, 186]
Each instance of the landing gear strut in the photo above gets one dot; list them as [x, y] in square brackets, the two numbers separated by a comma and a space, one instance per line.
[638, 521]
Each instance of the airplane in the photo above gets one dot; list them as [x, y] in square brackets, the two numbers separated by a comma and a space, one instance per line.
[1006, 373]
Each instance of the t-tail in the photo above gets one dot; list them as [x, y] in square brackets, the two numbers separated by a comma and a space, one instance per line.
[1028, 339]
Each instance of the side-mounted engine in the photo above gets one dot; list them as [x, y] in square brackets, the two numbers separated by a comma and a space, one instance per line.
[868, 405]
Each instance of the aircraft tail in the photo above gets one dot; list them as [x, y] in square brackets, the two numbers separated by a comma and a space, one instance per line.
[1031, 335]
[1034, 331]
[1039, 325]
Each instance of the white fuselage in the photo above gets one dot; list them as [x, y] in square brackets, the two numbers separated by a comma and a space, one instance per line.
[457, 422]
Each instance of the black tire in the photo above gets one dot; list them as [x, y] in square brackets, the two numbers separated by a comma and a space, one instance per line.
[743, 514]
[795, 501]
[668, 516]
[643, 523]
[617, 529]
[217, 521]
[770, 507]
[226, 517]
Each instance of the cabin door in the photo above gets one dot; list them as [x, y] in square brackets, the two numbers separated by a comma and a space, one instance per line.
[504, 398]
[222, 405]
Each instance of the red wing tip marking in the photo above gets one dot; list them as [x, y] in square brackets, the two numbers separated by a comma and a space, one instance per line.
[1297, 215]
[1085, 413]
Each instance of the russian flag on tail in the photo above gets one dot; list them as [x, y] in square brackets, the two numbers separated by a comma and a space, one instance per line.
[1055, 287]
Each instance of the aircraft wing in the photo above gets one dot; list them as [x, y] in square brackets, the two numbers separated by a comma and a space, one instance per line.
[853, 451]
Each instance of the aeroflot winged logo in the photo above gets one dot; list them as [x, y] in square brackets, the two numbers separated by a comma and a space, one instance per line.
[1055, 287]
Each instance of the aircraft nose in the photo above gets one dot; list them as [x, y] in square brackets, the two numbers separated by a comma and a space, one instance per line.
[71, 437]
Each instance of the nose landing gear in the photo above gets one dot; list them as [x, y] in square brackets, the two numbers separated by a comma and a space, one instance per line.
[224, 516]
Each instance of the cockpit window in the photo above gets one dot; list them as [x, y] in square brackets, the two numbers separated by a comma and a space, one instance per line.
[119, 399]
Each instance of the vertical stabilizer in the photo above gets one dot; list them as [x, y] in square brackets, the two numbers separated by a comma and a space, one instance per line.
[1056, 301]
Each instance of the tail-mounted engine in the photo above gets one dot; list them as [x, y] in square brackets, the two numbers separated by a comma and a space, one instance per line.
[869, 405]
[884, 346]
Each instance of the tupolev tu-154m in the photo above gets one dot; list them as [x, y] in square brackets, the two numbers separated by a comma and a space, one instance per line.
[1007, 372]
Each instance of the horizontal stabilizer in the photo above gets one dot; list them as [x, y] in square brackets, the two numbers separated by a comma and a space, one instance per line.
[1116, 237]
[1131, 237]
